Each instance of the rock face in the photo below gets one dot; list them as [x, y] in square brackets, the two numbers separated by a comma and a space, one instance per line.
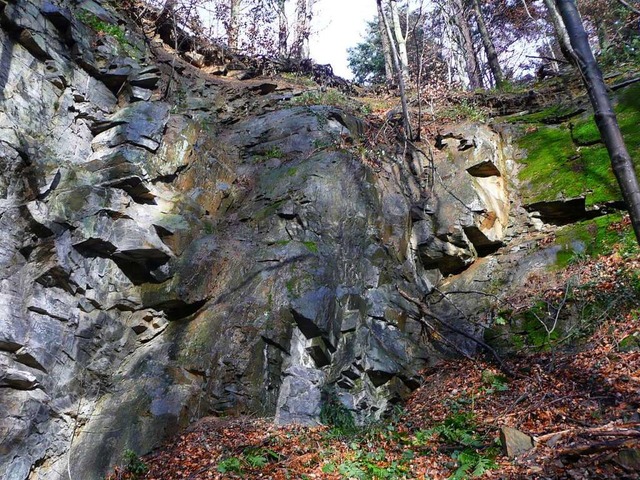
[178, 248]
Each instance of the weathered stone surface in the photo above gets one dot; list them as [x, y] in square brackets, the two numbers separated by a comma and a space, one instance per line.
[140, 124]
[514, 442]
[214, 253]
[472, 201]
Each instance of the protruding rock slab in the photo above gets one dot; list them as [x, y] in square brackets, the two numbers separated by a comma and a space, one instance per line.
[514, 442]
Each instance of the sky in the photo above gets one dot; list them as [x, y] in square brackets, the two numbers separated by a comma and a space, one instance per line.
[339, 24]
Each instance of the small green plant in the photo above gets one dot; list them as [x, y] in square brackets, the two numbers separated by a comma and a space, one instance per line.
[311, 246]
[256, 460]
[367, 465]
[472, 464]
[274, 152]
[318, 97]
[459, 428]
[329, 467]
[335, 415]
[133, 464]
[494, 382]
[466, 110]
[103, 27]
[230, 465]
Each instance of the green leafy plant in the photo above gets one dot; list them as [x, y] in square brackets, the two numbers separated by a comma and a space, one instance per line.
[371, 465]
[274, 152]
[256, 460]
[335, 415]
[230, 465]
[458, 428]
[472, 464]
[100, 26]
[133, 464]
[330, 96]
[494, 382]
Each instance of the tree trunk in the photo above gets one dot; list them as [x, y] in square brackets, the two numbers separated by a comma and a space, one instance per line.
[233, 33]
[561, 32]
[489, 48]
[401, 40]
[396, 64]
[303, 20]
[461, 22]
[283, 28]
[603, 112]
[386, 46]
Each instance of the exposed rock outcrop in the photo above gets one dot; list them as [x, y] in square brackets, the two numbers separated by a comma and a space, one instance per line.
[173, 246]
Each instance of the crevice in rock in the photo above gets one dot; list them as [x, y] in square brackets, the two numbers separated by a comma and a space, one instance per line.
[273, 343]
[481, 243]
[564, 212]
[171, 177]
[318, 350]
[306, 325]
[484, 169]
[95, 247]
[140, 266]
[179, 309]
[379, 377]
[137, 190]
[26, 358]
[52, 186]
[56, 277]
[59, 16]
[11, 347]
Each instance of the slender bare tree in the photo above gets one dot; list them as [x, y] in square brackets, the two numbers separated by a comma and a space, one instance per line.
[400, 37]
[406, 120]
[304, 14]
[561, 31]
[386, 46]
[459, 18]
[487, 43]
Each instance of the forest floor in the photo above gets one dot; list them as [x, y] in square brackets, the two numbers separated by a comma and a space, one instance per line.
[577, 408]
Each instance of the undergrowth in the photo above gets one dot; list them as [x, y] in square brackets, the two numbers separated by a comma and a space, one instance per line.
[102, 27]
[597, 280]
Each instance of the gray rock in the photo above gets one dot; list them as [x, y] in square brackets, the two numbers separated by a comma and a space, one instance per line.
[140, 124]
[514, 442]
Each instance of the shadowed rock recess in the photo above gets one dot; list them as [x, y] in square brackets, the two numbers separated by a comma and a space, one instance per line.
[174, 245]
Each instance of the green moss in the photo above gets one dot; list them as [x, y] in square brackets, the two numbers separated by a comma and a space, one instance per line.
[291, 286]
[629, 99]
[548, 170]
[558, 165]
[311, 246]
[586, 132]
[592, 238]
